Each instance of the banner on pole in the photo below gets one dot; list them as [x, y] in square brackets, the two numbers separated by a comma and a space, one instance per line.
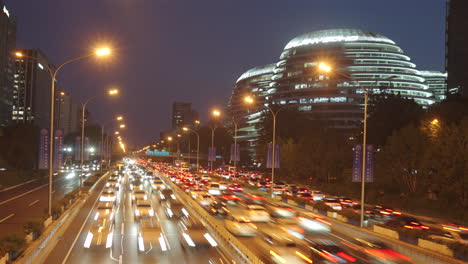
[211, 153]
[86, 149]
[58, 148]
[43, 159]
[77, 148]
[236, 156]
[357, 163]
[270, 156]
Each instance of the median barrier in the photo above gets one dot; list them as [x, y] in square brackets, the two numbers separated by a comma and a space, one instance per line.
[427, 244]
[386, 232]
[4, 259]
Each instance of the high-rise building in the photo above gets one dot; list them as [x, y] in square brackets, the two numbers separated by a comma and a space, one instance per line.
[254, 82]
[456, 39]
[7, 46]
[183, 114]
[67, 116]
[437, 83]
[31, 89]
[358, 58]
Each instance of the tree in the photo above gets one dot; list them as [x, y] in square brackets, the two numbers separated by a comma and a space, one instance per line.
[388, 113]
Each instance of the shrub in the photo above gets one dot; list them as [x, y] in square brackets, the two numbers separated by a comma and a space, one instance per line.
[351, 215]
[34, 226]
[13, 242]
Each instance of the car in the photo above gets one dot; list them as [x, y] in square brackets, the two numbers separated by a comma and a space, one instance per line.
[105, 209]
[136, 183]
[100, 234]
[150, 236]
[217, 209]
[214, 189]
[157, 184]
[449, 235]
[305, 196]
[383, 211]
[324, 250]
[302, 190]
[406, 222]
[175, 209]
[108, 195]
[112, 183]
[257, 213]
[223, 186]
[143, 209]
[377, 252]
[193, 234]
[204, 199]
[277, 246]
[254, 199]
[166, 194]
[313, 224]
[318, 195]
[235, 187]
[240, 225]
[229, 200]
[148, 175]
[333, 203]
[139, 194]
[279, 210]
[346, 202]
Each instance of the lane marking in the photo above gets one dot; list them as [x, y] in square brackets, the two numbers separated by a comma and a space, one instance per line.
[23, 194]
[7, 217]
[122, 229]
[16, 186]
[33, 203]
[82, 227]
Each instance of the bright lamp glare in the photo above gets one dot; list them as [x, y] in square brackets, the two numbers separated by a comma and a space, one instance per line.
[103, 52]
[324, 67]
[113, 92]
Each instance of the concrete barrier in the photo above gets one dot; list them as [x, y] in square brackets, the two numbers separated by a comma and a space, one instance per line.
[5, 258]
[386, 232]
[427, 244]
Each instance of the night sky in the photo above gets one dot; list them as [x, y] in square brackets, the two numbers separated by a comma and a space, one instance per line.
[194, 50]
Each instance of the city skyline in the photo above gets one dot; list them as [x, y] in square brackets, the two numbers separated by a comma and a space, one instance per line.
[158, 55]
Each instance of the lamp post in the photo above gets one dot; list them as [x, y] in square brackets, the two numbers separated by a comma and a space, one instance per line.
[235, 144]
[198, 143]
[100, 53]
[216, 113]
[110, 92]
[118, 118]
[326, 68]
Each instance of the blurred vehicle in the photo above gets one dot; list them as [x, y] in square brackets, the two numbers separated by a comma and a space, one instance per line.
[311, 223]
[100, 234]
[229, 200]
[326, 251]
[148, 175]
[214, 189]
[240, 225]
[449, 235]
[217, 209]
[139, 194]
[150, 235]
[174, 209]
[377, 252]
[305, 196]
[157, 184]
[204, 199]
[105, 210]
[318, 195]
[108, 195]
[406, 222]
[223, 186]
[302, 190]
[254, 199]
[113, 183]
[235, 187]
[278, 210]
[333, 203]
[383, 211]
[346, 202]
[136, 183]
[143, 209]
[277, 246]
[196, 190]
[166, 194]
[257, 213]
[193, 234]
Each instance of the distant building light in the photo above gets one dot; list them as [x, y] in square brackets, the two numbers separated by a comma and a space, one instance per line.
[5, 10]
[40, 66]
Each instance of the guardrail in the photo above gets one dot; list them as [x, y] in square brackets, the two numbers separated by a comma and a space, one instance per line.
[39, 249]
[244, 255]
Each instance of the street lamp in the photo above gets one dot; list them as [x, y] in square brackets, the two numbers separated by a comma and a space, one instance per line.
[53, 74]
[119, 118]
[111, 92]
[250, 100]
[323, 67]
[216, 113]
[198, 143]
[122, 126]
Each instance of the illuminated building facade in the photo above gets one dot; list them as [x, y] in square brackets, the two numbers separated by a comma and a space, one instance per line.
[7, 46]
[371, 59]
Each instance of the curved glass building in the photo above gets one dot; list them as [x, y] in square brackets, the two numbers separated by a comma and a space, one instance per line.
[360, 60]
[256, 82]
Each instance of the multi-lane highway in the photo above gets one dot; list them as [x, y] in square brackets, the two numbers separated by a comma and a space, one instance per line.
[125, 229]
[30, 201]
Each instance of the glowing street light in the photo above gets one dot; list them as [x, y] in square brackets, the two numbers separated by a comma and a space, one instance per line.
[103, 52]
[122, 126]
[324, 67]
[116, 132]
[435, 121]
[119, 118]
[216, 113]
